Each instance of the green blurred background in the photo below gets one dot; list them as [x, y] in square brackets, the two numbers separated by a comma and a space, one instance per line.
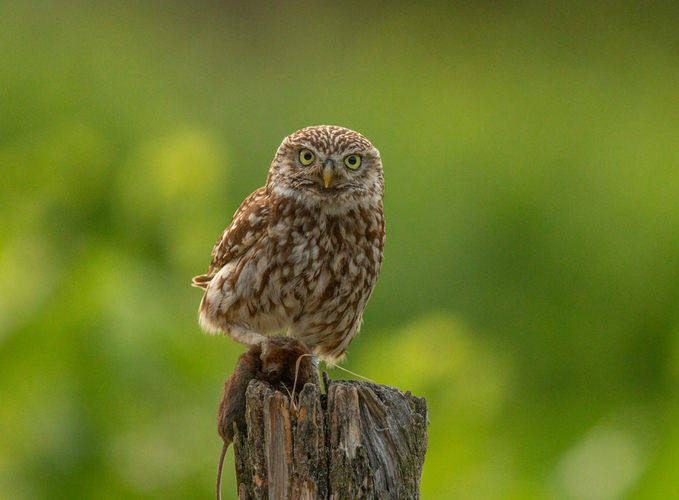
[530, 286]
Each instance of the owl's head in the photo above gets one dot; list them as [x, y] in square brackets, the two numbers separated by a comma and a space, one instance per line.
[328, 167]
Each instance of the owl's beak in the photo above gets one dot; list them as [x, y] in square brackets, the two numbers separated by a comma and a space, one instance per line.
[328, 172]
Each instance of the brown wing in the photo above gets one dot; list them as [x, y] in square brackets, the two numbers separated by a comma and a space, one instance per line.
[248, 225]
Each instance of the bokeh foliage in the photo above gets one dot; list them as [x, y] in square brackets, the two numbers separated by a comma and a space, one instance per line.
[530, 287]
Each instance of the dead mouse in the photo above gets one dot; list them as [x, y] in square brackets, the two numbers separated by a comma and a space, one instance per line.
[273, 361]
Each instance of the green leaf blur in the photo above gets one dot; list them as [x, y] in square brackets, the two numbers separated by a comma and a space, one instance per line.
[530, 285]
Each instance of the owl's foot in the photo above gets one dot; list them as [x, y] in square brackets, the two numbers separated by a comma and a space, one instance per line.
[316, 362]
[243, 336]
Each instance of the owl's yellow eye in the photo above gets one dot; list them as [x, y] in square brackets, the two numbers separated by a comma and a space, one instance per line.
[306, 157]
[353, 161]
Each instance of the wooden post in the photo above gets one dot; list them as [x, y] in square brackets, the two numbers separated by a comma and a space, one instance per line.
[360, 441]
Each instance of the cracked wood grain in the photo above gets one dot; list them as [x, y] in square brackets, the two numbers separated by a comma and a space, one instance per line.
[359, 441]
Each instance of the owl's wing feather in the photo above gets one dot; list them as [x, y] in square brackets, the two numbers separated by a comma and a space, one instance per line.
[248, 225]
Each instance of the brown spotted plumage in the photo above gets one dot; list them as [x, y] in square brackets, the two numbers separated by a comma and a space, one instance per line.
[303, 252]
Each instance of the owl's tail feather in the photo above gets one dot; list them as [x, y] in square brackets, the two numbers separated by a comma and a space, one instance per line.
[202, 281]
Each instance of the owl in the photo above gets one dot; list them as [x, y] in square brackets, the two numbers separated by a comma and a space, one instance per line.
[303, 252]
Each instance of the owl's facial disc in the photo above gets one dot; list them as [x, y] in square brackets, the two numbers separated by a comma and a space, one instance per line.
[331, 167]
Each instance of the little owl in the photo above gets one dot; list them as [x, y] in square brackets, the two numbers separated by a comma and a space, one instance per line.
[304, 251]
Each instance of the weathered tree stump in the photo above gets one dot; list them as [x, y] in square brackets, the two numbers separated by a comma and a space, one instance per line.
[360, 441]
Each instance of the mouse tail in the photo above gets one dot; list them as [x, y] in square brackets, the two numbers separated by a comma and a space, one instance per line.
[219, 470]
